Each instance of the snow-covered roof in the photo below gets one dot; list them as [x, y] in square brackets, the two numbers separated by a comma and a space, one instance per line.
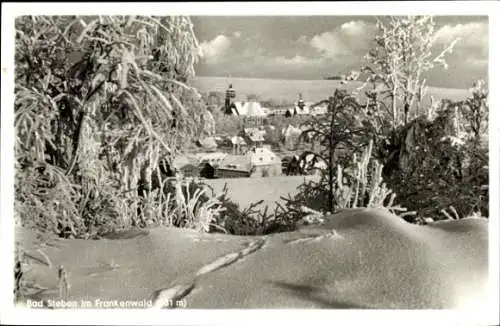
[255, 134]
[235, 162]
[212, 158]
[263, 156]
[250, 108]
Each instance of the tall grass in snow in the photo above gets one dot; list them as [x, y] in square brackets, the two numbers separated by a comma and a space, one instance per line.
[100, 101]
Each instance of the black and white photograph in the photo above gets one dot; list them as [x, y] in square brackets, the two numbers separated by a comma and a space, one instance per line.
[172, 160]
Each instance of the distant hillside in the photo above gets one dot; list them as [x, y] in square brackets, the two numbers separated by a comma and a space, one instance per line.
[288, 90]
[333, 78]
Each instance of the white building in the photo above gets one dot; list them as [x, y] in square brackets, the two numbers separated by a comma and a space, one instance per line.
[256, 135]
[304, 110]
[264, 162]
[262, 156]
[212, 158]
[250, 108]
[319, 109]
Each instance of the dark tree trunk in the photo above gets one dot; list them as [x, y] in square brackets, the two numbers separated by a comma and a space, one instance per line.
[330, 183]
[331, 152]
[407, 110]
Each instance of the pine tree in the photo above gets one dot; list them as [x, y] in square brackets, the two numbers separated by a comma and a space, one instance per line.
[345, 129]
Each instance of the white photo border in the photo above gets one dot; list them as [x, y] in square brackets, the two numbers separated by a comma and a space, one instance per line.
[11, 315]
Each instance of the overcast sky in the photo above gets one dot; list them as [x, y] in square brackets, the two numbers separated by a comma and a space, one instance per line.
[305, 47]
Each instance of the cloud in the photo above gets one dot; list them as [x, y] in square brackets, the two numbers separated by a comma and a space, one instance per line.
[297, 61]
[344, 40]
[355, 28]
[328, 43]
[471, 34]
[213, 50]
[237, 34]
[473, 42]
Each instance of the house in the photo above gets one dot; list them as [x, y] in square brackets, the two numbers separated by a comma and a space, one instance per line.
[212, 158]
[233, 166]
[208, 143]
[264, 162]
[250, 108]
[278, 111]
[239, 144]
[259, 162]
[353, 75]
[304, 110]
[296, 110]
[319, 109]
[226, 166]
[255, 135]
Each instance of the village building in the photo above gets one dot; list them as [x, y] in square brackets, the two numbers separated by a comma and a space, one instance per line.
[213, 158]
[228, 104]
[277, 111]
[258, 162]
[250, 108]
[223, 165]
[302, 109]
[233, 166]
[319, 109]
[300, 103]
[208, 143]
[255, 135]
[239, 145]
[264, 162]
